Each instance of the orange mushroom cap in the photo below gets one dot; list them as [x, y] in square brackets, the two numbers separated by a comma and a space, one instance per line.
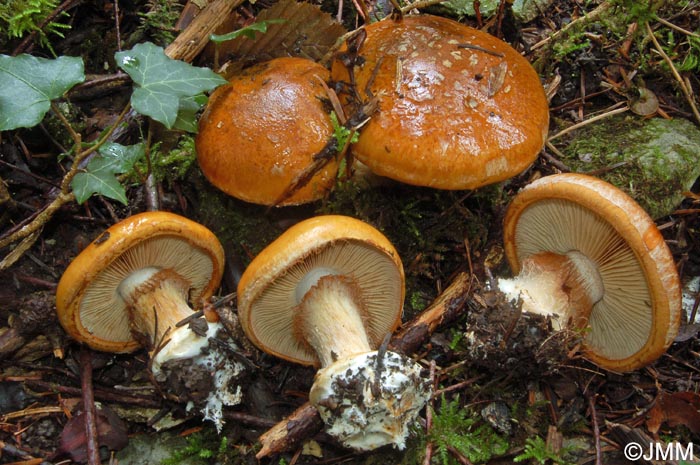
[267, 290]
[638, 315]
[87, 302]
[458, 108]
[262, 129]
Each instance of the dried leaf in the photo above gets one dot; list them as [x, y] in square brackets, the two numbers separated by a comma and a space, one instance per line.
[305, 32]
[111, 433]
[497, 76]
[678, 408]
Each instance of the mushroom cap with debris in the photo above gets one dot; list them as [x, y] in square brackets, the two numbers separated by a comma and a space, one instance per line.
[263, 128]
[458, 108]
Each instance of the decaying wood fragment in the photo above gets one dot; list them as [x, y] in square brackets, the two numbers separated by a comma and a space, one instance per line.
[305, 421]
[195, 37]
[446, 308]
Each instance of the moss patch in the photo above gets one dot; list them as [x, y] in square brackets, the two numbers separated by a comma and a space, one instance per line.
[654, 161]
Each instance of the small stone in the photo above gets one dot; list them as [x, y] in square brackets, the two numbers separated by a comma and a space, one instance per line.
[654, 160]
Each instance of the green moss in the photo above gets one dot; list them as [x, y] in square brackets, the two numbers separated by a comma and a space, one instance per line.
[537, 452]
[174, 164]
[21, 17]
[455, 426]
[202, 448]
[158, 23]
[243, 228]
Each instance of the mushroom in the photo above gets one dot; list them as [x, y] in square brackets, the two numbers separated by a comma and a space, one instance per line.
[327, 292]
[130, 288]
[458, 108]
[261, 131]
[590, 256]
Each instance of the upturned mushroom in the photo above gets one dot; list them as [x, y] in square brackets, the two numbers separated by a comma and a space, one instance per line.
[458, 108]
[262, 130]
[589, 256]
[132, 286]
[327, 292]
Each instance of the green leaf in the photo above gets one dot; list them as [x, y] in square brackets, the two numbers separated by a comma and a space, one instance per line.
[187, 113]
[163, 82]
[99, 175]
[28, 84]
[248, 31]
[341, 133]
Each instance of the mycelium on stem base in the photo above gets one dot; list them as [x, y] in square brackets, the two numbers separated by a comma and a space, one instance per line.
[327, 292]
[132, 286]
[367, 398]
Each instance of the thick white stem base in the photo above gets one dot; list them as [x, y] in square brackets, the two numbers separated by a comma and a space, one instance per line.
[371, 399]
[218, 376]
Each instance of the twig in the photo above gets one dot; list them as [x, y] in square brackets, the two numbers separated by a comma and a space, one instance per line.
[92, 444]
[14, 451]
[286, 434]
[420, 4]
[77, 138]
[445, 309]
[681, 82]
[677, 28]
[458, 455]
[117, 26]
[588, 17]
[195, 37]
[457, 386]
[555, 162]
[596, 430]
[429, 417]
[63, 197]
[99, 394]
[20, 250]
[593, 119]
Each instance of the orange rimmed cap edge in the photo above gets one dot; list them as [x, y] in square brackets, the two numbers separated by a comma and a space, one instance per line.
[640, 233]
[107, 247]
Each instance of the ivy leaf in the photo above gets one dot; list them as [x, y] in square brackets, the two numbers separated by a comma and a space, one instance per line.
[163, 82]
[28, 84]
[99, 176]
[187, 113]
[248, 31]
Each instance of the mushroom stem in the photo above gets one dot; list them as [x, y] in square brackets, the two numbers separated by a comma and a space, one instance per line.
[367, 398]
[330, 319]
[562, 286]
[157, 301]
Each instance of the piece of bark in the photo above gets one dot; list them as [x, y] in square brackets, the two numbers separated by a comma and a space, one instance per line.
[305, 420]
[291, 431]
[446, 308]
[190, 42]
[624, 435]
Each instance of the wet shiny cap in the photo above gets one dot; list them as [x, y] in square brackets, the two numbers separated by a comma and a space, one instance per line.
[458, 108]
[263, 128]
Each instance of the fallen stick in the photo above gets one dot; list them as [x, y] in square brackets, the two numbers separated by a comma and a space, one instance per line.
[444, 309]
[195, 37]
[305, 420]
